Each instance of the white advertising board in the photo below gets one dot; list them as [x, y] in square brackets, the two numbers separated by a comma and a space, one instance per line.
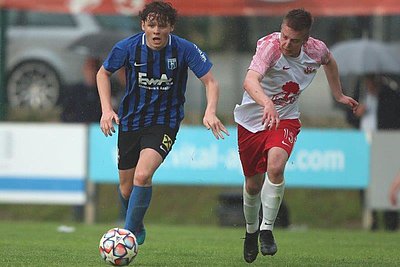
[43, 163]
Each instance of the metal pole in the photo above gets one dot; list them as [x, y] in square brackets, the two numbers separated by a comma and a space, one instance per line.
[3, 40]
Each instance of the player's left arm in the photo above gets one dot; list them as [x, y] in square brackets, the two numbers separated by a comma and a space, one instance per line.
[210, 119]
[332, 75]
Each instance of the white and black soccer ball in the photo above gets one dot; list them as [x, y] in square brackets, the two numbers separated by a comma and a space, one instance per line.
[118, 247]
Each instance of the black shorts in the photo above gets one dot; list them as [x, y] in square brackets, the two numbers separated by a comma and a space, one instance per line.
[158, 137]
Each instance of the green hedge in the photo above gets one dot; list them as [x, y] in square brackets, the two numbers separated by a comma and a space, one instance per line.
[199, 205]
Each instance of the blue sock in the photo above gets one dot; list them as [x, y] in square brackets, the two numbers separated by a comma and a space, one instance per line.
[139, 201]
[124, 204]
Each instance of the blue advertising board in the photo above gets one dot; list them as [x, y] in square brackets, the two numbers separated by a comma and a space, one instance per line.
[321, 159]
[329, 159]
[102, 158]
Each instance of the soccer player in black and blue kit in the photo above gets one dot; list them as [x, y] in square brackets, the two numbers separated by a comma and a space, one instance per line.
[156, 67]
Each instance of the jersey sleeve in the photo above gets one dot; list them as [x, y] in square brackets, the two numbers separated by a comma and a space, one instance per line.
[117, 57]
[318, 51]
[197, 60]
[267, 54]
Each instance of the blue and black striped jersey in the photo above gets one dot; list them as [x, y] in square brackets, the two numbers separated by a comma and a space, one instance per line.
[155, 80]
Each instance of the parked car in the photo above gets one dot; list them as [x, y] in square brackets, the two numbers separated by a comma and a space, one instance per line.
[38, 59]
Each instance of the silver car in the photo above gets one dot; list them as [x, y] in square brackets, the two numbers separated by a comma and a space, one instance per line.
[39, 61]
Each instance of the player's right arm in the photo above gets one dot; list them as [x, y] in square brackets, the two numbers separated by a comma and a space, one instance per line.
[108, 114]
[252, 85]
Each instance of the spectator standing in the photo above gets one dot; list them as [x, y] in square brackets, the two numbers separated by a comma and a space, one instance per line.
[80, 102]
[367, 112]
[367, 117]
[389, 119]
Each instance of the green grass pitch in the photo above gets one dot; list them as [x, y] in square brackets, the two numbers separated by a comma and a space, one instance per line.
[40, 244]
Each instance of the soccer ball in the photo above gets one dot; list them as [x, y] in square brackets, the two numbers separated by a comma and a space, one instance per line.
[118, 247]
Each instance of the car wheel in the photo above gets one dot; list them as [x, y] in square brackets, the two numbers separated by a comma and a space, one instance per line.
[33, 85]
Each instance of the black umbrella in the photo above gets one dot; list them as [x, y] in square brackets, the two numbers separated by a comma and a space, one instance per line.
[97, 44]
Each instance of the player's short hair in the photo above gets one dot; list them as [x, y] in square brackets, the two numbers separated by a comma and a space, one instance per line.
[298, 19]
[162, 11]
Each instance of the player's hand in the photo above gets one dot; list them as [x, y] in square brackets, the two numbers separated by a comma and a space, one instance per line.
[106, 122]
[212, 122]
[347, 100]
[360, 111]
[270, 118]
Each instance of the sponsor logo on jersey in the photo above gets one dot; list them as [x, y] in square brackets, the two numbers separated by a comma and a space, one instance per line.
[162, 83]
[290, 93]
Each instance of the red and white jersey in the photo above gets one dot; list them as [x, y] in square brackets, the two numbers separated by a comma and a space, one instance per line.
[284, 78]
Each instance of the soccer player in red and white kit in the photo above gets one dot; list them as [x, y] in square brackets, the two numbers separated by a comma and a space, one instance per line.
[283, 66]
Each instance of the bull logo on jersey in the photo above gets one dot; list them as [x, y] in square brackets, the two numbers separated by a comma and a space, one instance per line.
[290, 93]
[166, 143]
[172, 63]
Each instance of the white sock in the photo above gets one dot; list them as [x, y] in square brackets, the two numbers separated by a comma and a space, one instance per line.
[271, 199]
[251, 209]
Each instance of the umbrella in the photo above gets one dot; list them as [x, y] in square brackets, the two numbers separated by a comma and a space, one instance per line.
[363, 56]
[97, 44]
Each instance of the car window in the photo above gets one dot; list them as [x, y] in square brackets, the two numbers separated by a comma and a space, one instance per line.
[127, 23]
[26, 18]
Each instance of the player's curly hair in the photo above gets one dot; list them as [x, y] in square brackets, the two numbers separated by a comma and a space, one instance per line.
[162, 11]
[298, 19]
